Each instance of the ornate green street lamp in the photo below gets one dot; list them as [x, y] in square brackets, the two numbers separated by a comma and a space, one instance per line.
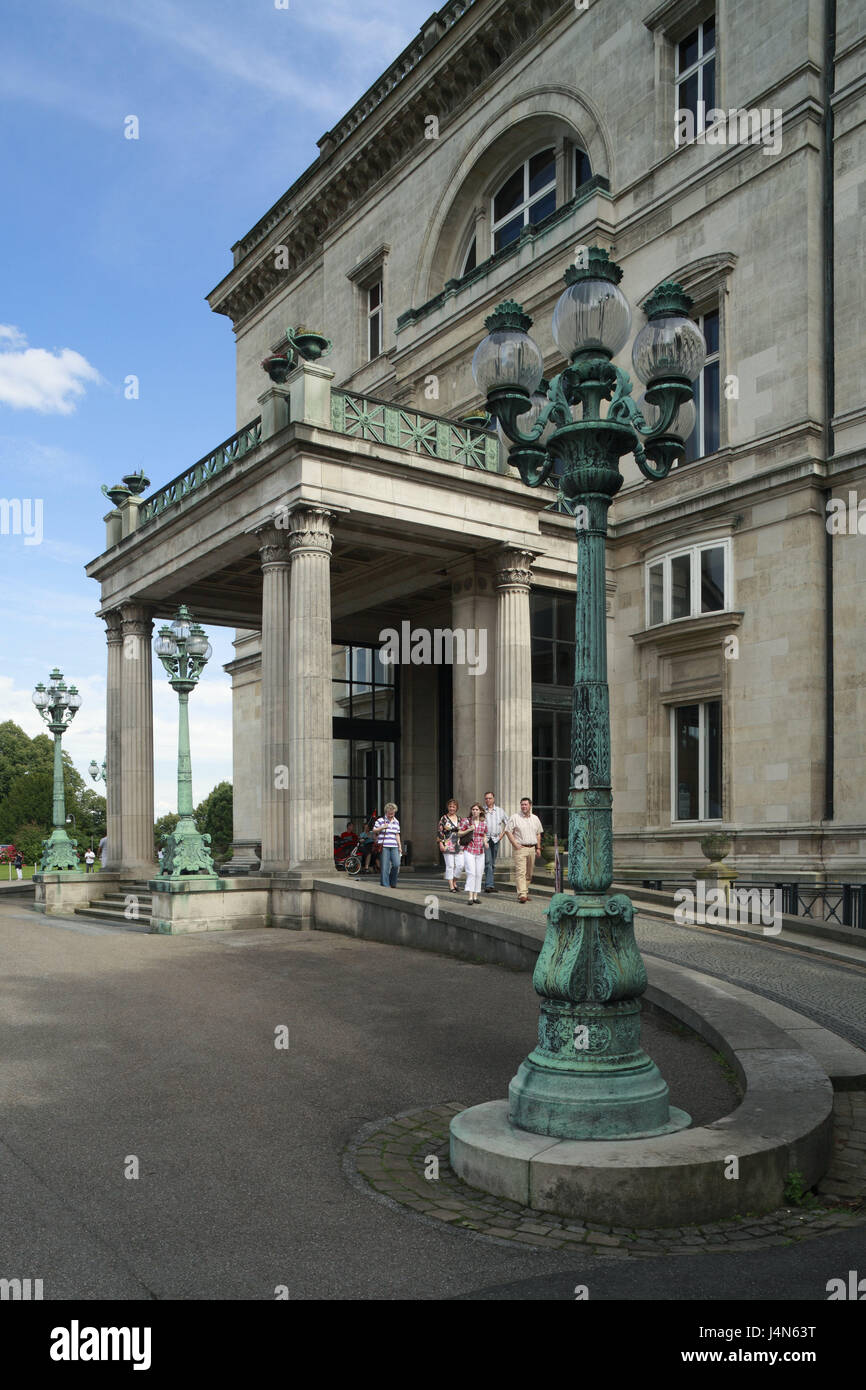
[184, 651]
[58, 706]
[97, 772]
[588, 1078]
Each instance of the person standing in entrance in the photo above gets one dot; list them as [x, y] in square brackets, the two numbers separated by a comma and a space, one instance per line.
[524, 831]
[448, 836]
[387, 832]
[496, 820]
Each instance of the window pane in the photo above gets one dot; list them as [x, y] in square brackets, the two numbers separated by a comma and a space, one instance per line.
[564, 663]
[362, 701]
[711, 407]
[713, 580]
[340, 700]
[470, 262]
[694, 447]
[709, 34]
[542, 777]
[681, 586]
[687, 51]
[541, 614]
[384, 702]
[709, 95]
[382, 674]
[686, 763]
[542, 733]
[542, 171]
[563, 783]
[543, 208]
[509, 233]
[563, 737]
[375, 336]
[565, 618]
[710, 330]
[582, 168]
[687, 95]
[542, 662]
[342, 757]
[713, 760]
[376, 295]
[510, 195]
[656, 602]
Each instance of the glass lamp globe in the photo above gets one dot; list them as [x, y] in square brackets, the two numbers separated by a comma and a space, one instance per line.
[61, 696]
[165, 644]
[507, 357]
[197, 643]
[682, 424]
[180, 627]
[208, 652]
[591, 314]
[40, 697]
[73, 699]
[670, 344]
[94, 769]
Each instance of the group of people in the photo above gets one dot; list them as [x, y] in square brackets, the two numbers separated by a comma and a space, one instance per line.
[471, 844]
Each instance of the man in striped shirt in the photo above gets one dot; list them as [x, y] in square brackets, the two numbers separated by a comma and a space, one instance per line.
[387, 833]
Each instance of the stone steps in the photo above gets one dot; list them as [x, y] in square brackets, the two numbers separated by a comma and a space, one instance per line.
[113, 907]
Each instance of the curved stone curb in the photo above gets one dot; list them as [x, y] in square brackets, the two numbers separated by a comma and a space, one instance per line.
[782, 1126]
[389, 1159]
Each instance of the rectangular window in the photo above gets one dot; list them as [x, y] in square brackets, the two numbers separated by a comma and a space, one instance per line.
[696, 762]
[689, 583]
[696, 73]
[704, 438]
[374, 320]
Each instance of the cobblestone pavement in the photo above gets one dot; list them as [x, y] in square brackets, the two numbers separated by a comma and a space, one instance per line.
[829, 992]
[392, 1158]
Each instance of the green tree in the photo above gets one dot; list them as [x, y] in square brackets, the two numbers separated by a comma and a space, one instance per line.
[31, 798]
[214, 817]
[28, 839]
[162, 827]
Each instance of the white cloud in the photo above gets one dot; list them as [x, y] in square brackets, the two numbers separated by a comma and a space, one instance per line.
[35, 379]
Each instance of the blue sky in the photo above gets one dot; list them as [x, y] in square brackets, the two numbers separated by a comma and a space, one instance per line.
[109, 247]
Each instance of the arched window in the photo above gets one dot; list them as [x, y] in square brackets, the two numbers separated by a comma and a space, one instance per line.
[526, 197]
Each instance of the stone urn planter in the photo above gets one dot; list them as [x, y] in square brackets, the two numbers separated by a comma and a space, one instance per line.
[311, 345]
[278, 369]
[117, 494]
[136, 482]
[716, 846]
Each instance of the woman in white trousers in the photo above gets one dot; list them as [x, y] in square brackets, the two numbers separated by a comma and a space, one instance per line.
[473, 854]
[448, 836]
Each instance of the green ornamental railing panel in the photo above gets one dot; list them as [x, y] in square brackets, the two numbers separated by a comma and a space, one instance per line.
[217, 461]
[382, 422]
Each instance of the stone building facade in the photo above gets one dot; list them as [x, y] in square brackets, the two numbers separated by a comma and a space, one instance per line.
[353, 501]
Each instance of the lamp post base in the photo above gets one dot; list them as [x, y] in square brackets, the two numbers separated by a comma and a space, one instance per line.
[589, 1077]
[187, 854]
[58, 853]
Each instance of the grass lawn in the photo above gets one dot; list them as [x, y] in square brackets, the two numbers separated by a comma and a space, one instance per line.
[27, 871]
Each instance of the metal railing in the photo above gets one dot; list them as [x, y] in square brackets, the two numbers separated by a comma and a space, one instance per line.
[383, 422]
[217, 461]
[840, 903]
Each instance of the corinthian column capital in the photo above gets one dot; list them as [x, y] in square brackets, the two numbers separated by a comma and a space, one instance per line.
[513, 568]
[310, 530]
[273, 546]
[113, 627]
[136, 621]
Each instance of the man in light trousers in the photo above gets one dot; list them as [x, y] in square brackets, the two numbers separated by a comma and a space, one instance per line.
[524, 831]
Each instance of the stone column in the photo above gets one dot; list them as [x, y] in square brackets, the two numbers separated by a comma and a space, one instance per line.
[473, 619]
[311, 794]
[274, 552]
[113, 741]
[136, 743]
[246, 674]
[513, 577]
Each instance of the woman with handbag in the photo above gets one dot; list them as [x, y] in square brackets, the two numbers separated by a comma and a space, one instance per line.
[473, 854]
[449, 831]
